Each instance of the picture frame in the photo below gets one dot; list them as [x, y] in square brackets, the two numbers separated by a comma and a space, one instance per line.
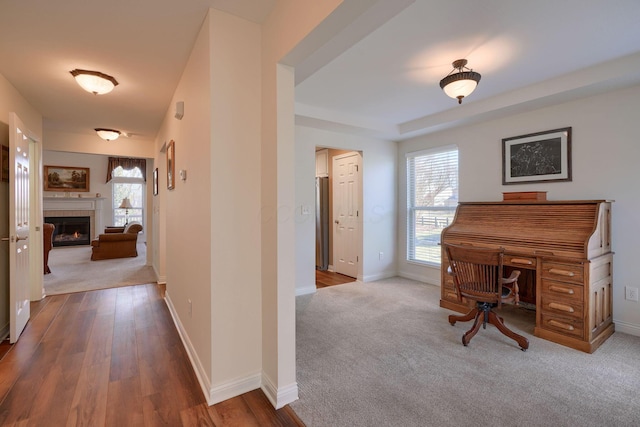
[66, 178]
[155, 182]
[4, 163]
[171, 165]
[537, 157]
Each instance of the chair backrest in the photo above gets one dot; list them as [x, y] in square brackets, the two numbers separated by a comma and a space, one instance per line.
[133, 228]
[477, 272]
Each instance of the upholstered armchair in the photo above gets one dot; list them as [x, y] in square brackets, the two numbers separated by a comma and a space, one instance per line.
[47, 244]
[116, 242]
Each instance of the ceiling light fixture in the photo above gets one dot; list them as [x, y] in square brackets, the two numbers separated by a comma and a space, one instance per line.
[462, 83]
[108, 134]
[94, 81]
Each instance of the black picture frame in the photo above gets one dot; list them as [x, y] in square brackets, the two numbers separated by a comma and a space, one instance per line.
[537, 157]
[171, 165]
[155, 182]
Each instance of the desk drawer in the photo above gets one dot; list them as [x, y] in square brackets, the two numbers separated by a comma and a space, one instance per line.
[563, 307]
[561, 290]
[565, 325]
[563, 272]
[520, 261]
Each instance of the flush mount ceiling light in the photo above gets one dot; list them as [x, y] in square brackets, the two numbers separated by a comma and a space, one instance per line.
[461, 83]
[94, 81]
[107, 134]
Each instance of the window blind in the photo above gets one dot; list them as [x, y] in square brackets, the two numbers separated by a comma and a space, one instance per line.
[432, 198]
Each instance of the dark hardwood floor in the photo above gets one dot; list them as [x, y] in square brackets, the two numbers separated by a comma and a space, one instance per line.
[113, 358]
[329, 278]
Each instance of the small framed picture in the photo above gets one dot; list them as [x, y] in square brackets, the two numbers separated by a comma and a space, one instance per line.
[171, 165]
[536, 157]
[4, 163]
[155, 182]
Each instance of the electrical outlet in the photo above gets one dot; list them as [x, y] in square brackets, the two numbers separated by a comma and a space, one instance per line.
[631, 293]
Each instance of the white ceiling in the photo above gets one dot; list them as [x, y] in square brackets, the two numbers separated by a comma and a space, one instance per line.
[529, 53]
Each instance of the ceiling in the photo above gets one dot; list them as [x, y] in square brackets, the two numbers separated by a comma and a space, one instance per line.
[529, 54]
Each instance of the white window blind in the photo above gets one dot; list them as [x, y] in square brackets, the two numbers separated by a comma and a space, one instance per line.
[432, 198]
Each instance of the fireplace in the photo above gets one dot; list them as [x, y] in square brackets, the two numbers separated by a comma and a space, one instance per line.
[70, 230]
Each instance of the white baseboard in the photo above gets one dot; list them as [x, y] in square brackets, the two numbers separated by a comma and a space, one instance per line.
[379, 276]
[233, 388]
[279, 397]
[627, 328]
[417, 277]
[212, 393]
[205, 384]
[306, 290]
[162, 280]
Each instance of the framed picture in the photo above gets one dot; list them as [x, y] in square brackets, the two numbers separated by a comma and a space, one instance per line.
[171, 165]
[542, 156]
[155, 182]
[66, 178]
[4, 163]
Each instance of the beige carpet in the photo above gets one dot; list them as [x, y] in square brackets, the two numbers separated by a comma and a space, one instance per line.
[73, 271]
[384, 354]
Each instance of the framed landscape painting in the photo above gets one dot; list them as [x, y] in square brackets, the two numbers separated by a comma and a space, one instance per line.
[542, 156]
[66, 178]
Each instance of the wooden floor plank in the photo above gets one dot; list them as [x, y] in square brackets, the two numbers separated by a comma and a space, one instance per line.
[89, 403]
[114, 358]
[330, 278]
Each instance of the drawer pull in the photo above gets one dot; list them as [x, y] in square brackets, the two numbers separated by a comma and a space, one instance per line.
[521, 261]
[561, 272]
[561, 307]
[561, 325]
[561, 289]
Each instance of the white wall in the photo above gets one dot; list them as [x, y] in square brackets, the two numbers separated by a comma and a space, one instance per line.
[379, 216]
[605, 153]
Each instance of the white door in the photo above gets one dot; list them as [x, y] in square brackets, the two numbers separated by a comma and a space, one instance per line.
[346, 214]
[18, 228]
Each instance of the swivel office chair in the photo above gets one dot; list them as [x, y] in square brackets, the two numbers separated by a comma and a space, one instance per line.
[477, 275]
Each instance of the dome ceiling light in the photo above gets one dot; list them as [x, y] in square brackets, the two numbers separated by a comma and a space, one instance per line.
[461, 83]
[94, 81]
[108, 134]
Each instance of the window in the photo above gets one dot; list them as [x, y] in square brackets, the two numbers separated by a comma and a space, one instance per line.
[432, 198]
[131, 184]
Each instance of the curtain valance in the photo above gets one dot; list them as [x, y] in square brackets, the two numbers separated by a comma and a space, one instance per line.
[127, 164]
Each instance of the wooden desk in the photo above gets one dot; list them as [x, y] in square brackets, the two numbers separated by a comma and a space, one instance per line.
[567, 244]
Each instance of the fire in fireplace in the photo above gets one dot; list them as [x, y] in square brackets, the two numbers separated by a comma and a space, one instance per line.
[70, 230]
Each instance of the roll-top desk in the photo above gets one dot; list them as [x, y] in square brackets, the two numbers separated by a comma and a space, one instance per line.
[568, 246]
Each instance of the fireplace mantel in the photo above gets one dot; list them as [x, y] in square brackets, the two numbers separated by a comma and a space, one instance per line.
[76, 206]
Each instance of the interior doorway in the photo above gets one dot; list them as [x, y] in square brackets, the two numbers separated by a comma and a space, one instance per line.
[327, 273]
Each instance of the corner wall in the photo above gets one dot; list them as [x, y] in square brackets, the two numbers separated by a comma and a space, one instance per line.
[605, 152]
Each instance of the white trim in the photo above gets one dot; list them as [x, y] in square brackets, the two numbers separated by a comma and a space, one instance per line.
[204, 381]
[627, 328]
[433, 150]
[233, 388]
[306, 290]
[279, 397]
[379, 276]
[162, 280]
[417, 278]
